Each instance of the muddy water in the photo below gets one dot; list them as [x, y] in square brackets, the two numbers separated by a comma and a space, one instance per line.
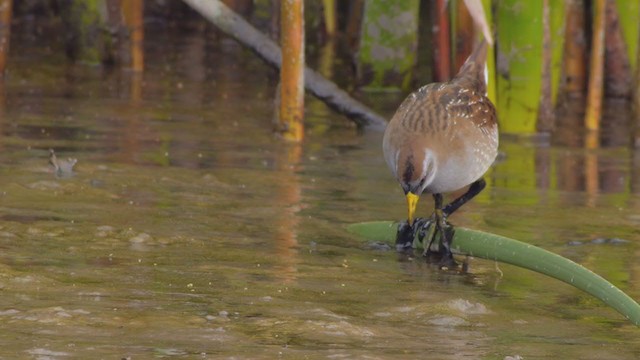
[189, 231]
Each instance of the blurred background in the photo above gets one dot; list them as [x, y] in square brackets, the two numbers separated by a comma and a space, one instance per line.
[556, 64]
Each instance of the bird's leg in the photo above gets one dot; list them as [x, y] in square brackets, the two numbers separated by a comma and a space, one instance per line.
[438, 221]
[404, 237]
[475, 188]
[406, 233]
[423, 230]
[421, 227]
[442, 226]
[446, 232]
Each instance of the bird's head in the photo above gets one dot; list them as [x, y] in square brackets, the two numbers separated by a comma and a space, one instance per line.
[415, 174]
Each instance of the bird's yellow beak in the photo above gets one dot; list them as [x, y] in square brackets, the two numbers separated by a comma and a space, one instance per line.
[412, 201]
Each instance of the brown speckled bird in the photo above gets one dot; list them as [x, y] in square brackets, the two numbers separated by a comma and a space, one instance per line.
[443, 137]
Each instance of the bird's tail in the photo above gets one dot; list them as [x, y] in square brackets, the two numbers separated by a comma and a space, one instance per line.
[472, 72]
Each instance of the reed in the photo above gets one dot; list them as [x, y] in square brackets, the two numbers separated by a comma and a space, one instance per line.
[519, 64]
[330, 21]
[442, 43]
[596, 69]
[291, 112]
[133, 11]
[5, 31]
[386, 53]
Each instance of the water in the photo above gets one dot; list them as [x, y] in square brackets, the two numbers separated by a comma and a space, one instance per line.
[189, 231]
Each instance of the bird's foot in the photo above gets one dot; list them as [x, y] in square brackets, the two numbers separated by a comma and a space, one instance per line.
[424, 228]
[429, 228]
[437, 225]
[404, 237]
[406, 233]
[446, 261]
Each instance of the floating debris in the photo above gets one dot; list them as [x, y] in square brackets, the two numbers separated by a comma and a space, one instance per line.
[599, 241]
[467, 307]
[62, 168]
[448, 321]
[379, 245]
[141, 238]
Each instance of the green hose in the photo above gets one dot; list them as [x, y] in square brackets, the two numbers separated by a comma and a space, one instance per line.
[499, 248]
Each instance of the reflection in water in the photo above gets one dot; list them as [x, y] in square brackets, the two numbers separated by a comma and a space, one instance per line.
[135, 94]
[130, 145]
[635, 171]
[288, 198]
[543, 168]
[596, 169]
[592, 183]
[3, 116]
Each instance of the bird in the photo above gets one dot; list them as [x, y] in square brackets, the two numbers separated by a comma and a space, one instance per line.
[442, 138]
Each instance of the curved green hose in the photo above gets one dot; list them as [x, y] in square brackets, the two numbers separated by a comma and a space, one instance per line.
[499, 248]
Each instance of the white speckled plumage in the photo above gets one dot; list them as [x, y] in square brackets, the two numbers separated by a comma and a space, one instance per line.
[444, 136]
